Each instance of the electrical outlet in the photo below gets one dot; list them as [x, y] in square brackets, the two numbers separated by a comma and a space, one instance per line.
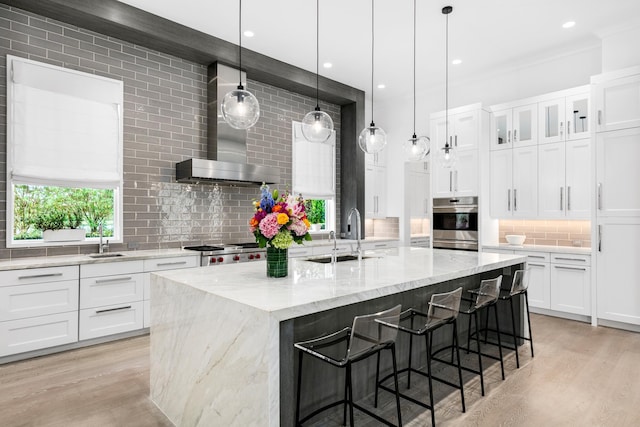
[132, 245]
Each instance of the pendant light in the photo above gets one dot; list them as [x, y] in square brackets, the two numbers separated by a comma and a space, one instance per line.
[447, 155]
[317, 125]
[372, 139]
[415, 148]
[240, 108]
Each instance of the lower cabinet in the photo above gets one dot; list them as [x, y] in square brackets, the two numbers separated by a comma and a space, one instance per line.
[539, 291]
[111, 319]
[571, 283]
[35, 333]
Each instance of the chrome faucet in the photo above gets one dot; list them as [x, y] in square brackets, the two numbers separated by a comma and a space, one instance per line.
[334, 253]
[359, 247]
[101, 246]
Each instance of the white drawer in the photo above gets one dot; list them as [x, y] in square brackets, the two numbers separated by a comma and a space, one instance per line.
[147, 313]
[172, 263]
[533, 256]
[99, 322]
[379, 245]
[34, 333]
[571, 259]
[300, 252]
[111, 268]
[39, 299]
[38, 275]
[109, 290]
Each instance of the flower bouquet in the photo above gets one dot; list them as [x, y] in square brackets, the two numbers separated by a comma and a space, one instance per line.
[278, 221]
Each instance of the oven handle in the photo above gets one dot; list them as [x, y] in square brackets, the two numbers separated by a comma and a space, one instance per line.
[456, 209]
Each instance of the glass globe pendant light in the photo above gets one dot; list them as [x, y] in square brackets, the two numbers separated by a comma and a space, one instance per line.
[372, 139]
[240, 108]
[317, 125]
[447, 155]
[415, 148]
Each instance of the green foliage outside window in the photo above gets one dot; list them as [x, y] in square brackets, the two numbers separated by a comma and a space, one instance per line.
[315, 210]
[39, 208]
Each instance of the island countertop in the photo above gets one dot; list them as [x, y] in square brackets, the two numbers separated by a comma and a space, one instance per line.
[311, 287]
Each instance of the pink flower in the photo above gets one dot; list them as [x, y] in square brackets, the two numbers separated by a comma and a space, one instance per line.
[269, 226]
[298, 227]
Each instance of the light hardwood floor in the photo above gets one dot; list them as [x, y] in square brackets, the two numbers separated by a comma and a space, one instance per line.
[580, 376]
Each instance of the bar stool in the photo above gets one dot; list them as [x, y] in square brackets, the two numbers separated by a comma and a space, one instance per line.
[369, 335]
[443, 310]
[486, 297]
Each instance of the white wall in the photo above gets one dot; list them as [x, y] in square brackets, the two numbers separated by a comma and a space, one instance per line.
[620, 50]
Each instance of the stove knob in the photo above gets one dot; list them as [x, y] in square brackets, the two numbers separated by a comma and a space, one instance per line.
[220, 259]
[236, 258]
[212, 260]
[251, 256]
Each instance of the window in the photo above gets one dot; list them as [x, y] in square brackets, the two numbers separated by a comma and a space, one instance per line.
[314, 176]
[64, 154]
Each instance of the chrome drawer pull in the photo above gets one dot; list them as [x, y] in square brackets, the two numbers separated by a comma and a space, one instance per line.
[570, 268]
[39, 276]
[115, 279]
[162, 264]
[572, 259]
[106, 310]
[536, 256]
[535, 265]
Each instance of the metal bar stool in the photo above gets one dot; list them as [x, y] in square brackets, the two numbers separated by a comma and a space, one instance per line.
[369, 335]
[443, 310]
[486, 297]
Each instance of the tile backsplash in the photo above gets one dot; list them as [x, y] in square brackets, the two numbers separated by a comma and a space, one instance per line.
[420, 226]
[549, 232]
[383, 227]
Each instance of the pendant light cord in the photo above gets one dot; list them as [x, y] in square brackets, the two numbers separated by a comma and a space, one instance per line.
[446, 83]
[372, 53]
[318, 55]
[414, 69]
[240, 43]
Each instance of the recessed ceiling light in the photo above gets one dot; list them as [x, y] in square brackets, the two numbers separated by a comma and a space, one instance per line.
[327, 65]
[569, 24]
[249, 33]
[456, 61]
[381, 86]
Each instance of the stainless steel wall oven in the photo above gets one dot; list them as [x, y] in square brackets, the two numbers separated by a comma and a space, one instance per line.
[455, 223]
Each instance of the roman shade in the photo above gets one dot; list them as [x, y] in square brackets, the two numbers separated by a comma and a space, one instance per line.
[314, 166]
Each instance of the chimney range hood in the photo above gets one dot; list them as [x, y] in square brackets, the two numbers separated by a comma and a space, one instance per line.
[226, 161]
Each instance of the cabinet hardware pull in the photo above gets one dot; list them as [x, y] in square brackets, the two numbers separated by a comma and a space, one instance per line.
[561, 201]
[163, 264]
[572, 259]
[515, 135]
[508, 136]
[456, 140]
[515, 199]
[561, 128]
[380, 245]
[599, 196]
[106, 310]
[536, 265]
[456, 175]
[599, 238]
[113, 280]
[38, 276]
[536, 256]
[450, 180]
[599, 117]
[568, 127]
[509, 199]
[568, 198]
[562, 267]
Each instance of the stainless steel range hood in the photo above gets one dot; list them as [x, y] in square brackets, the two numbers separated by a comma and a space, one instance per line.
[226, 161]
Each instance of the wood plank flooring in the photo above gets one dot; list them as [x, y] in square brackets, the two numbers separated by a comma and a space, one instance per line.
[580, 376]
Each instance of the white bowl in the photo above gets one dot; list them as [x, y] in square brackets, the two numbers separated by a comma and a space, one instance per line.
[515, 239]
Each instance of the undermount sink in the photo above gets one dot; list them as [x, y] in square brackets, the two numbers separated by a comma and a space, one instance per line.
[340, 258]
[105, 255]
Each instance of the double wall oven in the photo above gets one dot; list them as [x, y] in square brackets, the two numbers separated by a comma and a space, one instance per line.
[455, 223]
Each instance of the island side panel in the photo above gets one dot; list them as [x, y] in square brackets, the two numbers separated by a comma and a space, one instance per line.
[214, 362]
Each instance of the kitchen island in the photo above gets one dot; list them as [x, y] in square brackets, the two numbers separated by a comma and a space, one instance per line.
[222, 337]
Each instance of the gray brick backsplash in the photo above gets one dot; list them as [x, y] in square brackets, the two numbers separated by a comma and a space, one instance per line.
[165, 122]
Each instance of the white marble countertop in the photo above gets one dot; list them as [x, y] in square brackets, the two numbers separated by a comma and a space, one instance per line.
[326, 242]
[60, 260]
[312, 287]
[541, 248]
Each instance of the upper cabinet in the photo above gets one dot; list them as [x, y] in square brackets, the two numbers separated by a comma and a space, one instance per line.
[564, 118]
[618, 102]
[376, 159]
[516, 126]
[463, 130]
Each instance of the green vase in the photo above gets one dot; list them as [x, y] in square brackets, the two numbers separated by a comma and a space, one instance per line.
[277, 262]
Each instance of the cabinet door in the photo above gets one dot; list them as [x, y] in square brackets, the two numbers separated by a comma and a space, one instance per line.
[539, 284]
[618, 273]
[38, 299]
[375, 191]
[34, 333]
[618, 172]
[617, 104]
[442, 181]
[439, 133]
[419, 194]
[551, 119]
[577, 115]
[465, 175]
[525, 125]
[501, 128]
[525, 182]
[369, 192]
[501, 183]
[551, 180]
[578, 178]
[465, 130]
[571, 289]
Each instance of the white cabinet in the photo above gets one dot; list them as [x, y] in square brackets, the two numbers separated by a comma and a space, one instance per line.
[539, 291]
[460, 180]
[111, 296]
[617, 103]
[564, 179]
[376, 159]
[564, 119]
[376, 246]
[375, 202]
[514, 183]
[464, 127]
[571, 283]
[38, 308]
[516, 126]
[618, 270]
[618, 172]
[419, 192]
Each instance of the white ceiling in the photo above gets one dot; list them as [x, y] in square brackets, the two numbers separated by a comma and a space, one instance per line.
[488, 35]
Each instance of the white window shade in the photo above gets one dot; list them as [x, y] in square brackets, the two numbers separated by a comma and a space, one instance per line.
[313, 166]
[64, 126]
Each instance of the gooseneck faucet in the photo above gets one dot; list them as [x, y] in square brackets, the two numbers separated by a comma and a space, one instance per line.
[359, 247]
[101, 246]
[334, 253]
